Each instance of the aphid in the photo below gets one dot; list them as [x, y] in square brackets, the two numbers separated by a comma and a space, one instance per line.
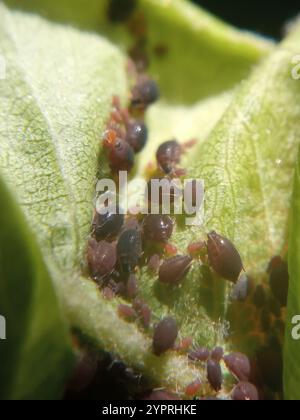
[143, 311]
[168, 155]
[193, 388]
[129, 250]
[279, 280]
[126, 312]
[158, 227]
[244, 391]
[170, 249]
[174, 269]
[144, 93]
[101, 258]
[165, 334]
[108, 293]
[214, 375]
[217, 354]
[199, 354]
[239, 365]
[84, 372]
[259, 297]
[196, 248]
[132, 286]
[241, 289]
[224, 257]
[120, 153]
[136, 135]
[184, 344]
[154, 263]
[120, 13]
[108, 225]
[270, 364]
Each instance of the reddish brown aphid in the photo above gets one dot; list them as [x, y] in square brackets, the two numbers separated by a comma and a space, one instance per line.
[168, 155]
[158, 227]
[129, 250]
[154, 263]
[165, 334]
[144, 93]
[224, 257]
[196, 248]
[136, 135]
[120, 153]
[143, 311]
[126, 312]
[214, 375]
[239, 365]
[185, 344]
[193, 388]
[132, 286]
[199, 354]
[244, 391]
[217, 354]
[174, 269]
[101, 257]
[170, 249]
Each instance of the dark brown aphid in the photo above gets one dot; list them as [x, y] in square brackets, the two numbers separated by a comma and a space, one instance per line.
[129, 250]
[200, 354]
[144, 93]
[126, 312]
[120, 13]
[241, 289]
[84, 372]
[143, 311]
[120, 153]
[165, 334]
[279, 279]
[108, 225]
[136, 135]
[214, 375]
[193, 388]
[101, 257]
[174, 269]
[217, 354]
[158, 227]
[224, 257]
[239, 365]
[244, 391]
[259, 297]
[168, 155]
[132, 286]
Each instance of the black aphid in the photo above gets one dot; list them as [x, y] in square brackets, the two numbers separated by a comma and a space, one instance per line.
[214, 374]
[174, 269]
[244, 391]
[165, 334]
[168, 155]
[224, 257]
[279, 279]
[129, 250]
[239, 365]
[144, 93]
[199, 354]
[158, 227]
[136, 135]
[118, 13]
[107, 225]
[101, 257]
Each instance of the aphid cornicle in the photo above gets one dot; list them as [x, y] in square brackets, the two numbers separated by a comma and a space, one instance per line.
[174, 269]
[107, 225]
[144, 93]
[101, 257]
[224, 257]
[129, 250]
[168, 155]
[158, 227]
[165, 334]
[136, 134]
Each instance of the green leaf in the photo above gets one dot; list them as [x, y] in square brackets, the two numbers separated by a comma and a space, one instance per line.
[292, 345]
[203, 55]
[36, 355]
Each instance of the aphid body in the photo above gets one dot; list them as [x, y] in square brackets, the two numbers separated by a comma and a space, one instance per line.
[136, 135]
[174, 269]
[107, 225]
[120, 153]
[101, 257]
[144, 93]
[129, 250]
[165, 334]
[224, 257]
[214, 374]
[168, 155]
[244, 391]
[239, 365]
[158, 227]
